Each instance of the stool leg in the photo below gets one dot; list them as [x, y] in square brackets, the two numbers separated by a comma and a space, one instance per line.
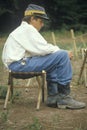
[10, 82]
[7, 97]
[11, 90]
[44, 85]
[39, 93]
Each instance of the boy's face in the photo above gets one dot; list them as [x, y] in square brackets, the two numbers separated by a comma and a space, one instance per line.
[37, 23]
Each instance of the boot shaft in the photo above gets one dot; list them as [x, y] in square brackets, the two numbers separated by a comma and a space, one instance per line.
[56, 88]
[52, 88]
[64, 89]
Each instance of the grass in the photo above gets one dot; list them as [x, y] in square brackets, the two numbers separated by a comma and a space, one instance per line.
[3, 91]
[4, 116]
[64, 39]
[80, 128]
[35, 125]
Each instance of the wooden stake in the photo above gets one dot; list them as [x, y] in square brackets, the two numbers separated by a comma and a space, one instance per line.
[83, 66]
[54, 39]
[74, 42]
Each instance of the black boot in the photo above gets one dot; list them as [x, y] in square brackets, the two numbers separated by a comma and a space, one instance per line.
[65, 100]
[52, 92]
[64, 89]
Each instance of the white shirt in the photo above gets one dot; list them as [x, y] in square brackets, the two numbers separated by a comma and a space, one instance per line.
[25, 41]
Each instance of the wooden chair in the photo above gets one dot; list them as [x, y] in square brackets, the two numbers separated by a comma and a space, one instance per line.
[26, 75]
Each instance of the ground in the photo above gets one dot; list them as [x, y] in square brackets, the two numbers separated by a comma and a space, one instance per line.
[22, 114]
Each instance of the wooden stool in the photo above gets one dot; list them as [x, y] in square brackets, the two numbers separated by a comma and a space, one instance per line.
[26, 75]
[83, 68]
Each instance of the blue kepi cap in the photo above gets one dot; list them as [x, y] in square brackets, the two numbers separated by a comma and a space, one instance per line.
[36, 10]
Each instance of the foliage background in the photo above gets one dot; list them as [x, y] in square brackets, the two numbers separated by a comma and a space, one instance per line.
[64, 14]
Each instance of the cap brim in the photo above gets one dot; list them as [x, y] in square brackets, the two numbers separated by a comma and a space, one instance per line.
[43, 17]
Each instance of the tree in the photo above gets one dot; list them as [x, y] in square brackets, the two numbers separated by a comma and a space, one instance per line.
[63, 13]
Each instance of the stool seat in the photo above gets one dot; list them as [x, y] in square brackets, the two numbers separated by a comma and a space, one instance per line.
[26, 75]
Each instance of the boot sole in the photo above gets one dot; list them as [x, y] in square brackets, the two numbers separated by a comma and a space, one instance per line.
[69, 107]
